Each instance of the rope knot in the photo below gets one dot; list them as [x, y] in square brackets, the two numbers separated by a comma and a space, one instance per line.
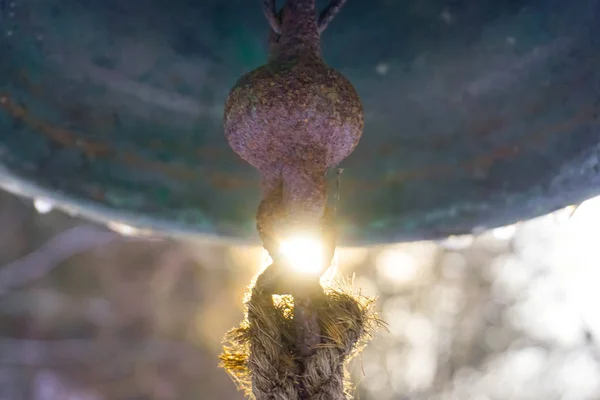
[294, 344]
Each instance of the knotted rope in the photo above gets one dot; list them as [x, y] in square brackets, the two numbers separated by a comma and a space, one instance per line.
[297, 336]
[275, 354]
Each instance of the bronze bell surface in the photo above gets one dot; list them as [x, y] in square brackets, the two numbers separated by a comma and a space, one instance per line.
[477, 114]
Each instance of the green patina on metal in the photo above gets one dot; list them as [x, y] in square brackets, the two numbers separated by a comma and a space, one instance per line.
[477, 113]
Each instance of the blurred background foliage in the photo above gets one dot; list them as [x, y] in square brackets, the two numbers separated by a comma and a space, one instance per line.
[98, 314]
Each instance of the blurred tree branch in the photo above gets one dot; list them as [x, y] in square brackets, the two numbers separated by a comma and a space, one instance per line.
[92, 351]
[57, 250]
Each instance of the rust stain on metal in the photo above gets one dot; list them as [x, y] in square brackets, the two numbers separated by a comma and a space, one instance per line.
[213, 153]
[225, 181]
[504, 152]
[77, 113]
[98, 149]
[179, 172]
[95, 149]
[500, 153]
[90, 148]
[35, 89]
[489, 126]
[97, 193]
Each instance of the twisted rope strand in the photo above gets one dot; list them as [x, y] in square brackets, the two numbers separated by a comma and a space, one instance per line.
[264, 358]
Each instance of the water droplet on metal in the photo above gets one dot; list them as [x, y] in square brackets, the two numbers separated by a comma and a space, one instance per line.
[122, 229]
[42, 206]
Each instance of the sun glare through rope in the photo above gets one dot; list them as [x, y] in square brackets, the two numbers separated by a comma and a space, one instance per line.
[303, 254]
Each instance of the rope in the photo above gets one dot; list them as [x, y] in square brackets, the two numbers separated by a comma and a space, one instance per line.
[275, 353]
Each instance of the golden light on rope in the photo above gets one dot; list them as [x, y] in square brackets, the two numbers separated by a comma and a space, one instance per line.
[303, 253]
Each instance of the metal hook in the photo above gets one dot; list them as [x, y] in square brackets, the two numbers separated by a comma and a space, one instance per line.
[270, 12]
[329, 13]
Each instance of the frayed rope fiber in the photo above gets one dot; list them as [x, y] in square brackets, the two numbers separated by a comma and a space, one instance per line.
[266, 355]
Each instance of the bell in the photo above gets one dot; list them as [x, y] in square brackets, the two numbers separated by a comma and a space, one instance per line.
[478, 113]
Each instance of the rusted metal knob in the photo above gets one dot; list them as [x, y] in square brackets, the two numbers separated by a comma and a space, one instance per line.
[292, 119]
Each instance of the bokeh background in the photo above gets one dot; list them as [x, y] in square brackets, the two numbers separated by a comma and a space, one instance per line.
[93, 313]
